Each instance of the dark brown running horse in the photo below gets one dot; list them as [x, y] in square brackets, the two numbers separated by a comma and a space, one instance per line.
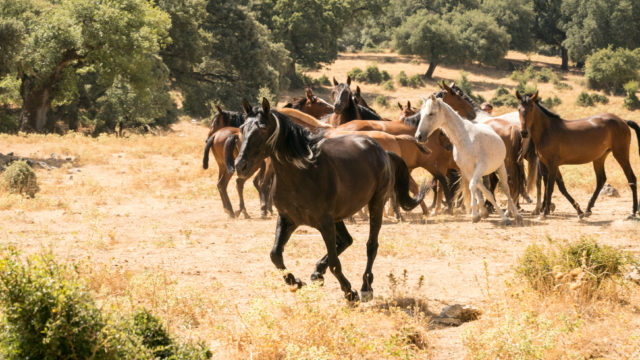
[559, 142]
[319, 183]
[311, 104]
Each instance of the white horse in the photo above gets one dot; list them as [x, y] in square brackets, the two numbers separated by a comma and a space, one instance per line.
[477, 150]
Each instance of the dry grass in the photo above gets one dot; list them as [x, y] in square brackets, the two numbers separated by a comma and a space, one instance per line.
[147, 224]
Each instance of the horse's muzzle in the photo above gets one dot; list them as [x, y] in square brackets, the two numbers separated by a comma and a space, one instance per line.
[525, 133]
[242, 168]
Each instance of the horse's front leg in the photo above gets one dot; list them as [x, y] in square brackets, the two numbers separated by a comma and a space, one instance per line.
[552, 170]
[375, 222]
[284, 229]
[328, 230]
[343, 241]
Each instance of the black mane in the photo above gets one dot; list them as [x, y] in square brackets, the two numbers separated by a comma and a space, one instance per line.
[236, 118]
[546, 111]
[412, 120]
[367, 113]
[295, 143]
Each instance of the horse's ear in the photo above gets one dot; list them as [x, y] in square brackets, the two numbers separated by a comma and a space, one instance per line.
[219, 109]
[453, 83]
[400, 106]
[348, 80]
[246, 106]
[358, 90]
[441, 84]
[535, 96]
[518, 95]
[335, 83]
[408, 104]
[265, 105]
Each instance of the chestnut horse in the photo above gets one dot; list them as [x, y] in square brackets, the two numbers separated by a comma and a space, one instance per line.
[311, 104]
[320, 182]
[560, 142]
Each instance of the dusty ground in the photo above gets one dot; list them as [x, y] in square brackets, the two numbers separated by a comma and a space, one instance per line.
[147, 225]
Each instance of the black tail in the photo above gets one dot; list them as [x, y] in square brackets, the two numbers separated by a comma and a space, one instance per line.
[634, 126]
[229, 147]
[205, 159]
[401, 173]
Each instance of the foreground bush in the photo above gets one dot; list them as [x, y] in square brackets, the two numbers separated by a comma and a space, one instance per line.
[631, 101]
[19, 178]
[585, 99]
[48, 314]
[582, 266]
[502, 97]
[609, 69]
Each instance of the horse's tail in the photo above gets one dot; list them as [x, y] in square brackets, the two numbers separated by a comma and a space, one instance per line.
[229, 147]
[528, 152]
[634, 126]
[401, 184]
[517, 168]
[205, 158]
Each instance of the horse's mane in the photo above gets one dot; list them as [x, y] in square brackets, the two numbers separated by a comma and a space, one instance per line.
[236, 118]
[412, 120]
[368, 113]
[296, 103]
[459, 92]
[546, 111]
[294, 143]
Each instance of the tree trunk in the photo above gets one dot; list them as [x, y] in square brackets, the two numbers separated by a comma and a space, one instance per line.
[432, 68]
[36, 102]
[291, 70]
[565, 58]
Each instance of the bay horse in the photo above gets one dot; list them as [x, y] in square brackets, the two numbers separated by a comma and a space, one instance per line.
[345, 107]
[560, 142]
[477, 150]
[366, 111]
[311, 104]
[320, 182]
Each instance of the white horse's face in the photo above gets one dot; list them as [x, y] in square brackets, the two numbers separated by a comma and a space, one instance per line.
[431, 118]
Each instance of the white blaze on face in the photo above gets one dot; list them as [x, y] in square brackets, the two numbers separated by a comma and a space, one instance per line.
[424, 127]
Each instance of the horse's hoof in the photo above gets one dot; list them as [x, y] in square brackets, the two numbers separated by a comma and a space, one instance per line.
[317, 278]
[552, 208]
[351, 296]
[586, 213]
[366, 296]
[631, 216]
[475, 218]
[542, 217]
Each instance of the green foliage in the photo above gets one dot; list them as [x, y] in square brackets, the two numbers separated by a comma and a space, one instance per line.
[609, 69]
[388, 85]
[526, 88]
[371, 75]
[300, 81]
[586, 99]
[561, 85]
[385, 75]
[502, 97]
[631, 101]
[382, 101]
[9, 120]
[415, 81]
[47, 313]
[544, 75]
[323, 80]
[544, 268]
[402, 79]
[19, 178]
[551, 101]
[264, 92]
[480, 37]
[516, 17]
[10, 91]
[465, 85]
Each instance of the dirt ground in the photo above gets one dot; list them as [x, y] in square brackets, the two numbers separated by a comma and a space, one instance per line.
[125, 207]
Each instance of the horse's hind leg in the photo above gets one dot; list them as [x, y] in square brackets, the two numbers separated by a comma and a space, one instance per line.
[343, 241]
[240, 188]
[563, 191]
[493, 182]
[375, 222]
[284, 229]
[223, 181]
[504, 186]
[413, 186]
[601, 178]
[623, 159]
[328, 230]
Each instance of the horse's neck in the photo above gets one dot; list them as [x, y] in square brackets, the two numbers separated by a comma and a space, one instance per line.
[456, 129]
[542, 126]
[482, 116]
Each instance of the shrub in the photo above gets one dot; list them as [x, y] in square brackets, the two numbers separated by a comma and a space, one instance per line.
[322, 81]
[609, 69]
[402, 79]
[544, 75]
[415, 81]
[552, 101]
[300, 81]
[464, 84]
[382, 100]
[388, 85]
[562, 85]
[502, 97]
[265, 92]
[385, 75]
[9, 120]
[372, 74]
[581, 265]
[631, 101]
[584, 99]
[20, 178]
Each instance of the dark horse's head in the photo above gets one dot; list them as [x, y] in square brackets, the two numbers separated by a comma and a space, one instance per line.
[341, 95]
[458, 100]
[269, 133]
[527, 102]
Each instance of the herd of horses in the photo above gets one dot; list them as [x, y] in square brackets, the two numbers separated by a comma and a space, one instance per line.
[319, 163]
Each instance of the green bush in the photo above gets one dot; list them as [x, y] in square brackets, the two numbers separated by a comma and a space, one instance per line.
[388, 85]
[265, 92]
[552, 101]
[300, 81]
[9, 120]
[385, 75]
[526, 88]
[544, 75]
[322, 81]
[382, 100]
[47, 313]
[562, 85]
[631, 101]
[356, 74]
[545, 268]
[609, 69]
[503, 97]
[585, 99]
[464, 84]
[371, 75]
[20, 178]
[415, 81]
[402, 78]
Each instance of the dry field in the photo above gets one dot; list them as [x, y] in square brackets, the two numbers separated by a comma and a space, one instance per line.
[146, 225]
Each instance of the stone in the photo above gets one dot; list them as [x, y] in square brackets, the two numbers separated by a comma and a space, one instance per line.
[634, 275]
[457, 314]
[609, 190]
